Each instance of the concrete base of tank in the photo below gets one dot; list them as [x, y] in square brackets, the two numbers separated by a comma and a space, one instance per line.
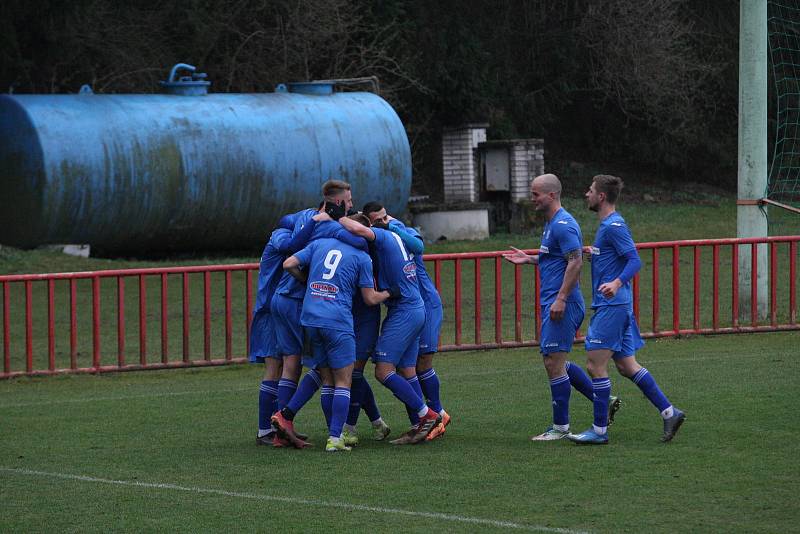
[81, 251]
[454, 223]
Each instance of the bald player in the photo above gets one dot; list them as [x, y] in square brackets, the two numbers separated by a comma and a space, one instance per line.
[560, 261]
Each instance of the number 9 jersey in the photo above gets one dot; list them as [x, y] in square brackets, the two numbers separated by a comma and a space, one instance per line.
[335, 272]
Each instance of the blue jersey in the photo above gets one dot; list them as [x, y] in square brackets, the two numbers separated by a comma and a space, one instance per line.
[270, 269]
[396, 267]
[427, 289]
[561, 235]
[288, 284]
[612, 241]
[364, 314]
[335, 271]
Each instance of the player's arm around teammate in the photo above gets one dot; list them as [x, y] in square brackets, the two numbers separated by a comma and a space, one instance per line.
[426, 376]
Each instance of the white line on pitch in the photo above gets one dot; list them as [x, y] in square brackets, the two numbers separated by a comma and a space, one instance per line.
[296, 501]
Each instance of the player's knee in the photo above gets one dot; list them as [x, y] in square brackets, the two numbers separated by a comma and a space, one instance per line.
[627, 367]
[424, 363]
[555, 365]
[595, 369]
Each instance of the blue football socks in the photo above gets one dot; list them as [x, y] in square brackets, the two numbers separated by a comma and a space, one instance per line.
[403, 391]
[602, 393]
[429, 381]
[341, 404]
[648, 385]
[579, 380]
[368, 403]
[309, 385]
[560, 390]
[356, 394]
[412, 414]
[286, 389]
[326, 400]
[267, 394]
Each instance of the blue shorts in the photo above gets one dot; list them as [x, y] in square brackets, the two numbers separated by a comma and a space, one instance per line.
[286, 324]
[262, 337]
[614, 328]
[366, 333]
[558, 336]
[429, 337]
[398, 342]
[330, 348]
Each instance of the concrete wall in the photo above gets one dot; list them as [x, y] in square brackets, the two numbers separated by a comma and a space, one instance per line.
[527, 162]
[459, 165]
[453, 225]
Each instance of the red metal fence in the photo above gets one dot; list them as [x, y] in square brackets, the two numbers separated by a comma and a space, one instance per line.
[79, 322]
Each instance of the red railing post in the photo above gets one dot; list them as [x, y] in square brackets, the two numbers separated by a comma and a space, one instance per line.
[73, 325]
[96, 322]
[537, 307]
[715, 296]
[517, 304]
[437, 280]
[656, 290]
[792, 282]
[248, 299]
[228, 323]
[458, 301]
[676, 289]
[185, 319]
[164, 318]
[754, 284]
[773, 283]
[120, 321]
[696, 322]
[28, 328]
[51, 328]
[207, 315]
[735, 286]
[498, 299]
[142, 320]
[6, 330]
[477, 301]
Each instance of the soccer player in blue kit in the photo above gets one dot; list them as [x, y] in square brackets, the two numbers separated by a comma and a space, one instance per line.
[398, 343]
[560, 261]
[286, 305]
[262, 333]
[366, 326]
[613, 332]
[427, 380]
[335, 271]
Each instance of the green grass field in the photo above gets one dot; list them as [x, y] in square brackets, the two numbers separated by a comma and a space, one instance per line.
[174, 451]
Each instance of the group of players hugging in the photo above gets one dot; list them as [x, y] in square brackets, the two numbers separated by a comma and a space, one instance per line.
[325, 271]
[323, 275]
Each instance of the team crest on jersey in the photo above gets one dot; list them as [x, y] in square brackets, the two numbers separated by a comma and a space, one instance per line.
[323, 290]
[595, 251]
[544, 249]
[410, 269]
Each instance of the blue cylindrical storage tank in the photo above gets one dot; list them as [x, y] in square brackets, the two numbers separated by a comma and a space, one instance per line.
[132, 173]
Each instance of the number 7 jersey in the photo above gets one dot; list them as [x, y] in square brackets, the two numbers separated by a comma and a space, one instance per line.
[335, 272]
